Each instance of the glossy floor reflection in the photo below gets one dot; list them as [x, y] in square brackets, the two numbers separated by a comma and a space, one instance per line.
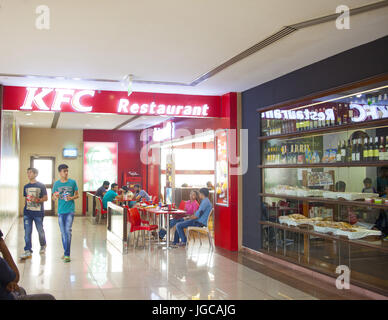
[99, 271]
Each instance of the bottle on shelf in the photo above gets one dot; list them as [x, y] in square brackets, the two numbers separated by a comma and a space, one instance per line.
[339, 114]
[381, 149]
[365, 150]
[376, 149]
[354, 150]
[370, 149]
[348, 151]
[327, 122]
[350, 114]
[386, 149]
[358, 150]
[316, 121]
[344, 152]
[339, 151]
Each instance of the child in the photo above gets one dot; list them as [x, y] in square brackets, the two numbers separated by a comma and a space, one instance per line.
[368, 186]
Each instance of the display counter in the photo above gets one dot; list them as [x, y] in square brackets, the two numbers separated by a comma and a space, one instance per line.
[324, 187]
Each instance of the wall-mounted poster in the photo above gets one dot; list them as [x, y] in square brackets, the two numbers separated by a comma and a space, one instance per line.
[100, 164]
[221, 181]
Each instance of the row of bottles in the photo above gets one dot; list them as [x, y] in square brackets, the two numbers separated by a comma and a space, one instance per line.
[363, 150]
[296, 153]
[342, 115]
[357, 150]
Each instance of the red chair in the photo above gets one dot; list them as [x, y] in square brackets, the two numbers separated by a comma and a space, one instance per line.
[102, 210]
[182, 205]
[136, 225]
[155, 199]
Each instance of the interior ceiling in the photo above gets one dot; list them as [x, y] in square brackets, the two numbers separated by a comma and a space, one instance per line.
[171, 40]
[78, 121]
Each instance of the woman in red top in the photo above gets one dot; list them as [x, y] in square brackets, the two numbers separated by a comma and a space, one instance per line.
[191, 206]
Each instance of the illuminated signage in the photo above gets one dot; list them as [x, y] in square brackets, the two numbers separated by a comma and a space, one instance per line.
[152, 108]
[360, 113]
[69, 96]
[113, 102]
[70, 152]
[164, 133]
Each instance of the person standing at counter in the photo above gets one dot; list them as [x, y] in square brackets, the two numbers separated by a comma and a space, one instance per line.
[102, 190]
[65, 190]
[199, 219]
[140, 194]
[35, 194]
[111, 195]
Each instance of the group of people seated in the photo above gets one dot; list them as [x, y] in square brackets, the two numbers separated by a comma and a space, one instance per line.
[123, 193]
[198, 207]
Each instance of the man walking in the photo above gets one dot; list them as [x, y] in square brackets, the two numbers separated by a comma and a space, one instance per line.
[65, 190]
[35, 194]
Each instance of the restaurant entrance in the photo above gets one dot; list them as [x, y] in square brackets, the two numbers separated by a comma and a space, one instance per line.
[46, 168]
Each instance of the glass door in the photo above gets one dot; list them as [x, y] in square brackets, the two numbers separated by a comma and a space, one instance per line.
[45, 166]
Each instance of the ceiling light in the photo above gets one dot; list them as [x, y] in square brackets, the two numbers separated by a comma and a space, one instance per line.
[30, 123]
[97, 116]
[359, 95]
[28, 114]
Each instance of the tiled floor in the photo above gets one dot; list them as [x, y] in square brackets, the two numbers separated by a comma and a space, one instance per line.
[99, 271]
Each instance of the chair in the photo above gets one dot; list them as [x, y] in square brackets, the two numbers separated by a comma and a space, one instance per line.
[154, 199]
[204, 229]
[136, 225]
[100, 211]
[182, 205]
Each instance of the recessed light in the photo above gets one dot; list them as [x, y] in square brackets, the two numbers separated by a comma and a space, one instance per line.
[30, 123]
[359, 95]
[28, 114]
[97, 116]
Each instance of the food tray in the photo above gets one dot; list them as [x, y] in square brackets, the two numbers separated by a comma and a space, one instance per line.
[315, 193]
[359, 234]
[352, 196]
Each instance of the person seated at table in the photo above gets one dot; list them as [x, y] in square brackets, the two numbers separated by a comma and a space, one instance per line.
[126, 193]
[191, 206]
[199, 219]
[140, 194]
[111, 195]
[102, 190]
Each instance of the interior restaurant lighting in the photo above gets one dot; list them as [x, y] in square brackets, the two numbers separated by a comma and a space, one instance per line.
[343, 97]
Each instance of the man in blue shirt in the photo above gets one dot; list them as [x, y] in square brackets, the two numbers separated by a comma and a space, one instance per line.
[140, 194]
[110, 195]
[65, 190]
[199, 219]
[35, 194]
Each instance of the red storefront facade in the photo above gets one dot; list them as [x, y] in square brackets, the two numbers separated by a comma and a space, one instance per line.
[187, 111]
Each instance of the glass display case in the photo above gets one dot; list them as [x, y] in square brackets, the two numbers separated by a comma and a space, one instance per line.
[324, 184]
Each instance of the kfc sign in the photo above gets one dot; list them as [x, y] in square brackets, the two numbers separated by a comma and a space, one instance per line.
[365, 111]
[113, 102]
[69, 96]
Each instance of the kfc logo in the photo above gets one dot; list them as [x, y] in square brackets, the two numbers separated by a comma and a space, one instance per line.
[36, 98]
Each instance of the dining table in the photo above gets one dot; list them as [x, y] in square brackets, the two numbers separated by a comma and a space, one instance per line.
[166, 213]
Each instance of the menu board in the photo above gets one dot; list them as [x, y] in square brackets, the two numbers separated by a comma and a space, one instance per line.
[100, 164]
[221, 181]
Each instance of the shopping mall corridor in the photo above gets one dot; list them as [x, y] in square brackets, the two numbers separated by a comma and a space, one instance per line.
[100, 271]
